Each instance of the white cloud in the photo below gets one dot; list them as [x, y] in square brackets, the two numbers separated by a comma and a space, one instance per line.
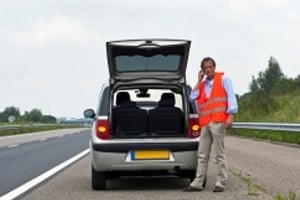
[246, 7]
[53, 50]
[239, 7]
[60, 29]
[274, 3]
[292, 15]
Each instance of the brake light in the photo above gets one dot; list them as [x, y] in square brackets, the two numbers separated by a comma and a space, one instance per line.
[194, 127]
[102, 128]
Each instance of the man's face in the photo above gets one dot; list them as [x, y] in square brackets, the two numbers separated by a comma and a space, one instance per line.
[209, 68]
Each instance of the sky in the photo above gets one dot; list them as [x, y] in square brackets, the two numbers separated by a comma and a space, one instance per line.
[53, 56]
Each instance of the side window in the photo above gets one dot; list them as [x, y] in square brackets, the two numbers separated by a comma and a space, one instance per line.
[104, 102]
[193, 107]
[192, 104]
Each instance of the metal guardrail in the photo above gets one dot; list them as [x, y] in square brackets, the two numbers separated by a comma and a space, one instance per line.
[295, 127]
[8, 127]
[12, 127]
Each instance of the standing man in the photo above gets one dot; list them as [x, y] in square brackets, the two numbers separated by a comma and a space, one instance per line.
[216, 105]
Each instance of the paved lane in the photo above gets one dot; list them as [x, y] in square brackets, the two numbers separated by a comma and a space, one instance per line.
[276, 167]
[25, 161]
[74, 183]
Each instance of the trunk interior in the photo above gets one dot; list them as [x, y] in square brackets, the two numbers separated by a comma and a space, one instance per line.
[147, 113]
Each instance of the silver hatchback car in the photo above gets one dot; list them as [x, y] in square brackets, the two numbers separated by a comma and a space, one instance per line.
[144, 123]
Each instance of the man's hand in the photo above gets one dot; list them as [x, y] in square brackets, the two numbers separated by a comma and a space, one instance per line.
[200, 75]
[229, 121]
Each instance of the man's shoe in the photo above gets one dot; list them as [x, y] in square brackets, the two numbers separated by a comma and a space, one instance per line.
[191, 189]
[218, 189]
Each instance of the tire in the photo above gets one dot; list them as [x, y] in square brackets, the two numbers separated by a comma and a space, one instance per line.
[98, 180]
[191, 175]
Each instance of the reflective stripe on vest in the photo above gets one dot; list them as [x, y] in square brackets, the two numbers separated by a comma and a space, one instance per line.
[211, 111]
[212, 100]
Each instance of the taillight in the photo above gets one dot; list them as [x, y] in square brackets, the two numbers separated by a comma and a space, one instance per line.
[102, 128]
[194, 128]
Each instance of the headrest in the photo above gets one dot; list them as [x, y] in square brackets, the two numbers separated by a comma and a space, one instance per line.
[122, 97]
[127, 104]
[167, 100]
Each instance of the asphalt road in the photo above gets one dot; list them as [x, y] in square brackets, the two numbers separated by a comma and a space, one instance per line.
[257, 170]
[22, 161]
[74, 183]
[274, 168]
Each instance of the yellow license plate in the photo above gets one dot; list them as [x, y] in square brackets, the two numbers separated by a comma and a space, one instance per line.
[150, 155]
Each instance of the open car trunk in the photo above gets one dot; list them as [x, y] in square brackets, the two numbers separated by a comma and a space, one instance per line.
[147, 113]
[150, 59]
[147, 78]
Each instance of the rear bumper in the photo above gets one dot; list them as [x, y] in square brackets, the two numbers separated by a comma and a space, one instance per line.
[116, 157]
[126, 146]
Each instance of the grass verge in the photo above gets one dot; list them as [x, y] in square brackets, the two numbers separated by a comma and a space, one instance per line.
[253, 189]
[256, 190]
[291, 196]
[271, 135]
[23, 129]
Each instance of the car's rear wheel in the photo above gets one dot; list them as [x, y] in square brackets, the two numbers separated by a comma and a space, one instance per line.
[98, 180]
[187, 174]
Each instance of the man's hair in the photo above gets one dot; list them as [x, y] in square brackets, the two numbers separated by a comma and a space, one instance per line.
[207, 59]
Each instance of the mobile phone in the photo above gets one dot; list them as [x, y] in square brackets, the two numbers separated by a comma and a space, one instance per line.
[202, 74]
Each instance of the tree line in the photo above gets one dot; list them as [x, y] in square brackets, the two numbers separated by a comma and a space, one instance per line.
[12, 114]
[272, 97]
[273, 80]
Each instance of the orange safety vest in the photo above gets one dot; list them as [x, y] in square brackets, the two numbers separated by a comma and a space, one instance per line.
[213, 108]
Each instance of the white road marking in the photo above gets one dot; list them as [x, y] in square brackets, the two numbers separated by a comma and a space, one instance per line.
[13, 145]
[30, 184]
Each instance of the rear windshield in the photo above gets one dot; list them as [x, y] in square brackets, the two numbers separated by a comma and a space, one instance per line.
[141, 59]
[142, 63]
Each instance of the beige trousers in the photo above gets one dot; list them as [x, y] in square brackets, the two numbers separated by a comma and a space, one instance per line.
[212, 135]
